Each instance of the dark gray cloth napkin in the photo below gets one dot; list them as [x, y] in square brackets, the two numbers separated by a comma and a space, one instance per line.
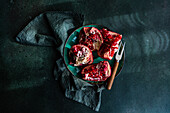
[52, 29]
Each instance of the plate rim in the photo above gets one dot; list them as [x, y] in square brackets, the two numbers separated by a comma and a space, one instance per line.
[111, 67]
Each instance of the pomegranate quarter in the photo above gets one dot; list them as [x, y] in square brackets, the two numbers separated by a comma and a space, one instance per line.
[91, 37]
[80, 55]
[110, 44]
[97, 72]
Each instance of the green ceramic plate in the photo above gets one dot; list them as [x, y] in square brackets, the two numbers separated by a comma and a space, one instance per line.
[73, 40]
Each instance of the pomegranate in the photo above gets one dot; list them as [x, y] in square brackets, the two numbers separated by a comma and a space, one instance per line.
[110, 44]
[91, 37]
[80, 55]
[97, 72]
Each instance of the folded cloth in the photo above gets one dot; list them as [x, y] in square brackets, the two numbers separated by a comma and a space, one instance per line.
[52, 29]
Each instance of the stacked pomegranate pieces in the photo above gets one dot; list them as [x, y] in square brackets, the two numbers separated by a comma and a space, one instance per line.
[91, 39]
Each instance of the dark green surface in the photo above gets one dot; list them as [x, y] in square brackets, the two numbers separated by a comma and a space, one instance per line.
[73, 40]
[26, 81]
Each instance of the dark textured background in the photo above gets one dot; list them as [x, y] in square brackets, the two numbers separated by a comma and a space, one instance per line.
[27, 84]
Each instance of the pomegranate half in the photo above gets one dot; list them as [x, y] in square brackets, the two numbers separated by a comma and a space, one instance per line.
[80, 55]
[91, 37]
[110, 44]
[97, 72]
